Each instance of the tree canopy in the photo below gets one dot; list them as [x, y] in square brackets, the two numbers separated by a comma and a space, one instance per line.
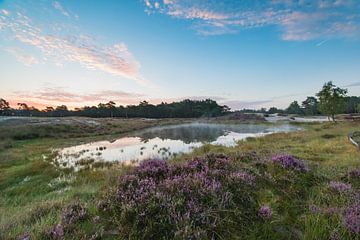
[183, 109]
[331, 100]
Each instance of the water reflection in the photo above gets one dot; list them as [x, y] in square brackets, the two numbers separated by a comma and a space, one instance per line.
[161, 142]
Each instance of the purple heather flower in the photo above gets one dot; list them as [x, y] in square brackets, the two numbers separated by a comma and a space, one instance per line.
[335, 235]
[57, 232]
[244, 176]
[289, 162]
[326, 211]
[340, 187]
[355, 173]
[157, 169]
[73, 214]
[351, 218]
[314, 209]
[25, 236]
[265, 212]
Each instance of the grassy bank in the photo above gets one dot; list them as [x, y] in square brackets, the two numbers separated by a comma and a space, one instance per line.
[303, 204]
[33, 192]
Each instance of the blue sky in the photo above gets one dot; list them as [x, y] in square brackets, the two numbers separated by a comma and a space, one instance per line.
[243, 53]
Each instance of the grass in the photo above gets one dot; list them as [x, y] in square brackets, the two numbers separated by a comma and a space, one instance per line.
[34, 193]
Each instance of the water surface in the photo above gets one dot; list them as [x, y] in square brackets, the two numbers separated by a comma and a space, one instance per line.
[163, 142]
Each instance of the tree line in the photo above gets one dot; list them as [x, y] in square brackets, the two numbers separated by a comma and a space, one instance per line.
[329, 101]
[182, 109]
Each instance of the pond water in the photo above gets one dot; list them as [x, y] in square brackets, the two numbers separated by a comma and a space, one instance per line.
[162, 143]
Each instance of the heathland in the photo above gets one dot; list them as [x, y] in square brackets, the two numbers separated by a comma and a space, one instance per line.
[298, 185]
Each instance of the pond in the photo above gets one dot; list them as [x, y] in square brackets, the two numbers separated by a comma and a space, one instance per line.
[162, 143]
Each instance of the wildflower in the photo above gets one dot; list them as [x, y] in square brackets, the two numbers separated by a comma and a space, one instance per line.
[314, 209]
[340, 187]
[244, 176]
[157, 169]
[190, 196]
[289, 162]
[265, 212]
[25, 236]
[355, 173]
[326, 211]
[351, 218]
[57, 232]
[335, 235]
[73, 214]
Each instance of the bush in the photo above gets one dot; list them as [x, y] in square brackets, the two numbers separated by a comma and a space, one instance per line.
[199, 200]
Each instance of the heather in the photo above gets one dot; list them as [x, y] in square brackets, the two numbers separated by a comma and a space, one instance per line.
[197, 200]
[214, 196]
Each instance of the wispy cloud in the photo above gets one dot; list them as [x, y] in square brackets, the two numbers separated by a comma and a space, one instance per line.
[116, 60]
[355, 84]
[57, 96]
[23, 57]
[298, 20]
[322, 43]
[61, 9]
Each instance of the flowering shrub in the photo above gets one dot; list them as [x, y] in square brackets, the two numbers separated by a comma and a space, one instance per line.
[340, 187]
[158, 200]
[265, 212]
[71, 215]
[57, 232]
[289, 162]
[355, 173]
[328, 211]
[351, 218]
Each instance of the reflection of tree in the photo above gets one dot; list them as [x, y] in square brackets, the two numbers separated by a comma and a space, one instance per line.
[185, 133]
[198, 132]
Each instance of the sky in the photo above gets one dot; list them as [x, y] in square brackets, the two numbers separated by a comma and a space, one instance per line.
[242, 53]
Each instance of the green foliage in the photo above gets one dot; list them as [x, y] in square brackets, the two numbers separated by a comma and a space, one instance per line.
[294, 108]
[358, 108]
[183, 109]
[331, 99]
[311, 106]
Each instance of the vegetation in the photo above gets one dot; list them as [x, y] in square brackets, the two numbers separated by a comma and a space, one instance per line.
[183, 109]
[331, 100]
[250, 191]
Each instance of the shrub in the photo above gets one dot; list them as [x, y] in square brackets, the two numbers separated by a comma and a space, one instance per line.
[351, 218]
[340, 187]
[199, 200]
[265, 212]
[289, 162]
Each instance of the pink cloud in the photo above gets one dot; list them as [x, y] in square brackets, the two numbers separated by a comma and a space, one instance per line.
[59, 96]
[22, 57]
[116, 60]
[298, 20]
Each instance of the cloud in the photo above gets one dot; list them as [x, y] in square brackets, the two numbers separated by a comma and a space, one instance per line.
[297, 20]
[22, 57]
[57, 96]
[5, 12]
[116, 60]
[59, 7]
[355, 84]
[54, 96]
